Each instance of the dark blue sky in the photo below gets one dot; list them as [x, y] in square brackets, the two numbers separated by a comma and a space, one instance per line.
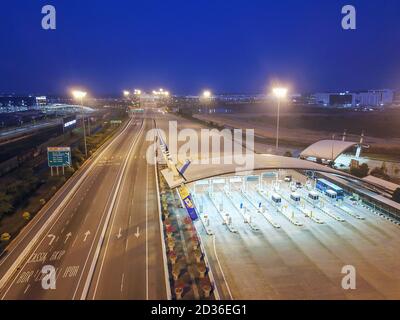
[186, 46]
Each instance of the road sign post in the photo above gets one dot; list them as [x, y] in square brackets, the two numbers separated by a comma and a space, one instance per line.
[58, 157]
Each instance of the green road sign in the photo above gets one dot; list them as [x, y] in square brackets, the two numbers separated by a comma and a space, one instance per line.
[59, 156]
[137, 110]
[116, 121]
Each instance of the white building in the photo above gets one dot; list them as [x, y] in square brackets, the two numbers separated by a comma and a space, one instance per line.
[370, 98]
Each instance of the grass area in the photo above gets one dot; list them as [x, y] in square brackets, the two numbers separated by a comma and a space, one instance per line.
[29, 187]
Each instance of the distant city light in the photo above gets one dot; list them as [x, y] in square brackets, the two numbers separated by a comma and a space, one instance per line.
[280, 92]
[137, 92]
[161, 92]
[126, 93]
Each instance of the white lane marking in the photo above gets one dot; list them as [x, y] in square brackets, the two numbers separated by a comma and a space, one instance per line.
[126, 244]
[103, 233]
[52, 236]
[68, 235]
[147, 244]
[122, 282]
[86, 234]
[26, 289]
[137, 233]
[71, 272]
[60, 209]
[220, 268]
[119, 235]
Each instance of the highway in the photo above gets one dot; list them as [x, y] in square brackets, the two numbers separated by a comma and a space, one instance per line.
[101, 231]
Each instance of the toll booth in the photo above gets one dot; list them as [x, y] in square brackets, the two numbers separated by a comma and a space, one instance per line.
[313, 195]
[235, 184]
[295, 197]
[276, 198]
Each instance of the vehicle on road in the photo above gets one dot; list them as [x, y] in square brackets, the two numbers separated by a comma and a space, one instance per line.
[325, 185]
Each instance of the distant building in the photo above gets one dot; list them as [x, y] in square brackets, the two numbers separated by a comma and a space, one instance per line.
[15, 104]
[41, 101]
[370, 98]
[396, 99]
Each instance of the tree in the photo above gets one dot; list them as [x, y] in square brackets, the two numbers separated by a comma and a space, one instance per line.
[288, 154]
[380, 173]
[26, 215]
[5, 203]
[361, 171]
[396, 195]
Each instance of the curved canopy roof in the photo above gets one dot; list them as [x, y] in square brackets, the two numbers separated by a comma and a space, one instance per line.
[261, 162]
[327, 149]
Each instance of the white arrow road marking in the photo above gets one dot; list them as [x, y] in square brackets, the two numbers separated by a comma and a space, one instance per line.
[52, 236]
[86, 235]
[67, 237]
[119, 235]
[137, 234]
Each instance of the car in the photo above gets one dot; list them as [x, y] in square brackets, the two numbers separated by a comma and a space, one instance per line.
[288, 178]
[299, 185]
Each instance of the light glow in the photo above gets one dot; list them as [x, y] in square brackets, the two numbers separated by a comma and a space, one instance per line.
[207, 94]
[79, 94]
[280, 92]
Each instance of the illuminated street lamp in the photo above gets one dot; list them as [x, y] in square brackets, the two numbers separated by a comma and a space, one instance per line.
[79, 95]
[206, 98]
[280, 93]
[126, 93]
[207, 94]
[137, 92]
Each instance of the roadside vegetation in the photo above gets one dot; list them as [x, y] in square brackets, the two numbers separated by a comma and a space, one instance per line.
[26, 189]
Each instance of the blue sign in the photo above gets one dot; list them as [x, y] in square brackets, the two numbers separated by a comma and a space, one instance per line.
[188, 202]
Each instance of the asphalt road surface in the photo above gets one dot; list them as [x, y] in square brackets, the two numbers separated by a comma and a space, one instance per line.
[101, 231]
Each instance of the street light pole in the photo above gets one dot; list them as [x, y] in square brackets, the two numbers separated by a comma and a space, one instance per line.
[84, 127]
[280, 93]
[79, 95]
[277, 125]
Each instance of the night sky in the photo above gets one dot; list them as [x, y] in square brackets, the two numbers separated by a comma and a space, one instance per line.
[186, 46]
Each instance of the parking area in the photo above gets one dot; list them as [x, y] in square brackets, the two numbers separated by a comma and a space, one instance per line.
[281, 235]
